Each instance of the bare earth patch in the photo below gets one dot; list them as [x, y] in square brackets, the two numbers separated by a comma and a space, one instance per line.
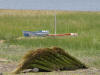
[9, 67]
[2, 41]
[3, 60]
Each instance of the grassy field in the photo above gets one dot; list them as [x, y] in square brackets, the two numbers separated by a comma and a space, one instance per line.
[86, 46]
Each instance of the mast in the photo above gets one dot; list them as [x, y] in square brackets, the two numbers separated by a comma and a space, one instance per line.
[55, 23]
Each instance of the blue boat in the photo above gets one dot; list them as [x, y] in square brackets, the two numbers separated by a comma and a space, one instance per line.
[35, 33]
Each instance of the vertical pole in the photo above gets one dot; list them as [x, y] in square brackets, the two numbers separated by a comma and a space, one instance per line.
[55, 23]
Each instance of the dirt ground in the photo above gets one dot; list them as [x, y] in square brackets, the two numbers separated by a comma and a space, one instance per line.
[9, 67]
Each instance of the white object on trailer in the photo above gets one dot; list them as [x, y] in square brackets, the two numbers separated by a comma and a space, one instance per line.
[74, 34]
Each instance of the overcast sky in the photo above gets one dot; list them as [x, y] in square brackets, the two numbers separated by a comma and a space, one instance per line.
[85, 5]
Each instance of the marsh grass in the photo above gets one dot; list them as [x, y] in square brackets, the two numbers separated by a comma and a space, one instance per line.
[86, 46]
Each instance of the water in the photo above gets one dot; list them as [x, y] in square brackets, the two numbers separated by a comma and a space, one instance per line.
[82, 5]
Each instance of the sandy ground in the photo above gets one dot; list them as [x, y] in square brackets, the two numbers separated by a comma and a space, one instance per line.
[9, 67]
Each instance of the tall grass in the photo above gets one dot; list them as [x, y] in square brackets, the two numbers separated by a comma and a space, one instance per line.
[86, 46]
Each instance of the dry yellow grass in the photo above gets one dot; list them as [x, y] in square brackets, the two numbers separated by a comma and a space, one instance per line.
[36, 12]
[29, 12]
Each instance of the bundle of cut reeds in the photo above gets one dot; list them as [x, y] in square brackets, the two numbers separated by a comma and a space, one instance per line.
[49, 59]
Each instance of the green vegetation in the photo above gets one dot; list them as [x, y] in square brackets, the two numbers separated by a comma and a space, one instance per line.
[49, 59]
[86, 46]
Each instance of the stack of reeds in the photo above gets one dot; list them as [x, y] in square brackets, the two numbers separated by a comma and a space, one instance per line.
[49, 59]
